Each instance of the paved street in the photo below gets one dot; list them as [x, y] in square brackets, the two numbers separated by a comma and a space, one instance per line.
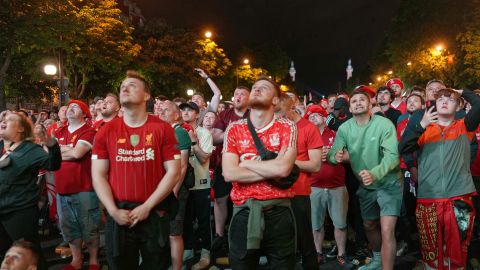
[403, 263]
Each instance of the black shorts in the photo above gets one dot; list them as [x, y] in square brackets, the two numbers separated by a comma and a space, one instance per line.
[220, 187]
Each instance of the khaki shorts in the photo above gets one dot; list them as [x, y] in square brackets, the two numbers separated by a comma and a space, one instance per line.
[335, 200]
[386, 200]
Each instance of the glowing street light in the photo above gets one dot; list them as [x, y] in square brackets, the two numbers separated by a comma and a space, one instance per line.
[246, 61]
[409, 63]
[390, 72]
[439, 47]
[208, 34]
[50, 69]
[190, 92]
[379, 78]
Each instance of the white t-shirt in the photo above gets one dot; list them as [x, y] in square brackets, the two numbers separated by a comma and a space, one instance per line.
[202, 173]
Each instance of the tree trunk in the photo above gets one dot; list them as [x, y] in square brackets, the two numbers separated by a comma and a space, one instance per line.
[82, 85]
[3, 77]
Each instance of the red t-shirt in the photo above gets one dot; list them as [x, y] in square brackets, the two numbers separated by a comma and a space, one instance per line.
[136, 156]
[75, 175]
[329, 176]
[238, 140]
[400, 129]
[221, 122]
[100, 123]
[308, 138]
[475, 168]
[402, 107]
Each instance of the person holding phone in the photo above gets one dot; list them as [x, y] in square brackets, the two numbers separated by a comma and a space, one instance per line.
[445, 211]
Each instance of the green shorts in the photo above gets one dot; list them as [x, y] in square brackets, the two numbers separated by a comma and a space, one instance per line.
[335, 200]
[386, 200]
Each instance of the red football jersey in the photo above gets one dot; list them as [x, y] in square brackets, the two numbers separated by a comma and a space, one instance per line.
[308, 138]
[402, 107]
[400, 129]
[136, 156]
[329, 176]
[75, 175]
[238, 140]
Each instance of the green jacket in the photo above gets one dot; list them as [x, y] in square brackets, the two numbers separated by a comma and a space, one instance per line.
[371, 147]
[443, 154]
[18, 180]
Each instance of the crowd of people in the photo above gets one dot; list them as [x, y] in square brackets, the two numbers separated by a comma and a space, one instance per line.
[390, 169]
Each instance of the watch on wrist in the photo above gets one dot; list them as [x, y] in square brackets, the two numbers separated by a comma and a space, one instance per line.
[194, 143]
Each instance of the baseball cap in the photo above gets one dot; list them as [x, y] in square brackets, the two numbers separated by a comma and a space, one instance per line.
[191, 105]
[340, 103]
[315, 109]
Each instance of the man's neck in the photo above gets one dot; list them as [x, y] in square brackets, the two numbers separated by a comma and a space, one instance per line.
[135, 117]
[397, 101]
[261, 118]
[293, 116]
[321, 128]
[240, 112]
[445, 120]
[75, 123]
[385, 107]
[362, 119]
[109, 118]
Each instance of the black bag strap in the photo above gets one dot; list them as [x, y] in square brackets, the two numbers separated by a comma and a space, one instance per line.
[258, 143]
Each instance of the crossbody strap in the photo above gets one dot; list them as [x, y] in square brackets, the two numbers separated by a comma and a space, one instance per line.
[258, 143]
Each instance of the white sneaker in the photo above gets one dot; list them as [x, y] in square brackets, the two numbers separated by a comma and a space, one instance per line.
[204, 261]
[263, 261]
[374, 264]
[402, 248]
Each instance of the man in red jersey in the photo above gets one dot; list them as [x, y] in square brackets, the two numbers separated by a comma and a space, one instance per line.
[309, 149]
[262, 222]
[135, 167]
[397, 86]
[220, 187]
[77, 203]
[109, 110]
[329, 193]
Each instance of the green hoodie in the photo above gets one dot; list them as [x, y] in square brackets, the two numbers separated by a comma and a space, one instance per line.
[372, 146]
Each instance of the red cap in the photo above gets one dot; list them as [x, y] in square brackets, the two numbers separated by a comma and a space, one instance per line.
[82, 106]
[394, 81]
[315, 109]
[366, 89]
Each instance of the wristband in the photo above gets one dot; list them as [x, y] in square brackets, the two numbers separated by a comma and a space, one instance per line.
[194, 143]
[206, 79]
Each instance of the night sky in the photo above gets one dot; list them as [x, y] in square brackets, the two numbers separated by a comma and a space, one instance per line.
[320, 36]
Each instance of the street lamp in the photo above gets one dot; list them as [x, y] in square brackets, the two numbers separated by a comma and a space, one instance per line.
[292, 71]
[190, 92]
[409, 63]
[439, 47]
[379, 78]
[208, 34]
[62, 81]
[50, 69]
[390, 72]
[246, 61]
